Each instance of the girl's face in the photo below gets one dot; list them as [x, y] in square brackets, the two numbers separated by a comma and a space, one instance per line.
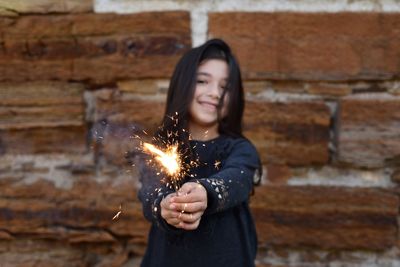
[212, 76]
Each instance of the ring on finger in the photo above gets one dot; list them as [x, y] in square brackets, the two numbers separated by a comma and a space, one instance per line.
[184, 207]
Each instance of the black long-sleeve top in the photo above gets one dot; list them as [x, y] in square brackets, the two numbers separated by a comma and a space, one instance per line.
[226, 235]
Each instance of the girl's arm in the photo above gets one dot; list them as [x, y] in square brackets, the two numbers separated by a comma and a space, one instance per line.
[233, 184]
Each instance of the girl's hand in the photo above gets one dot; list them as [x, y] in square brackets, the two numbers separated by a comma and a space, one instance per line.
[169, 214]
[190, 202]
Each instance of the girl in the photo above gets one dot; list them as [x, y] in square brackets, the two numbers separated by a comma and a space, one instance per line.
[208, 221]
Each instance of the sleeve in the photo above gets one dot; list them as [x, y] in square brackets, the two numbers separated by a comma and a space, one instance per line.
[151, 193]
[233, 184]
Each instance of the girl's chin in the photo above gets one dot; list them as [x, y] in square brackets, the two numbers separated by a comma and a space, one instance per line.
[209, 108]
[206, 122]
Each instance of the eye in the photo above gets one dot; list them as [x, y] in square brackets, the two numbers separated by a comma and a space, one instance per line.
[200, 81]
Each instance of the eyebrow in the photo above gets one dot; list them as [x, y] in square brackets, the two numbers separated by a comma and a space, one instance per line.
[204, 73]
[209, 75]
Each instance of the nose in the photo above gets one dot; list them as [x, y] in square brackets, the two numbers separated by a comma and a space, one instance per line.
[214, 90]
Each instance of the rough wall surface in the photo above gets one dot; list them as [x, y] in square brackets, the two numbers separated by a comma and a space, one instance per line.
[79, 79]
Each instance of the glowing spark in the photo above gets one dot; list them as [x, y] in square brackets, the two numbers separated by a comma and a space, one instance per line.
[217, 164]
[169, 159]
[118, 213]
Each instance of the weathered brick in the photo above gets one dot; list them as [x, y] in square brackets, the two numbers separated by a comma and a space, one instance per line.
[289, 133]
[145, 86]
[288, 86]
[329, 90]
[99, 48]
[42, 117]
[145, 113]
[48, 139]
[22, 253]
[278, 174]
[255, 87]
[368, 131]
[396, 176]
[40, 93]
[5, 236]
[312, 46]
[275, 256]
[326, 218]
[82, 207]
[15, 7]
[56, 26]
[72, 223]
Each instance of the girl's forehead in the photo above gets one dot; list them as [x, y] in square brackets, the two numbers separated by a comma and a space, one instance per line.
[213, 67]
[210, 61]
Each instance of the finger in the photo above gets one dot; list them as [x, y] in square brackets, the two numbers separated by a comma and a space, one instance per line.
[189, 187]
[196, 193]
[174, 222]
[192, 196]
[166, 202]
[190, 217]
[189, 207]
[189, 226]
[167, 214]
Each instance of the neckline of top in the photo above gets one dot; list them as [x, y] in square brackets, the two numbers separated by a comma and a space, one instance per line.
[208, 141]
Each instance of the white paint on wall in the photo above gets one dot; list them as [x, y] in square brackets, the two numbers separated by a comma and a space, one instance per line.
[321, 258]
[57, 169]
[40, 167]
[271, 95]
[330, 176]
[200, 8]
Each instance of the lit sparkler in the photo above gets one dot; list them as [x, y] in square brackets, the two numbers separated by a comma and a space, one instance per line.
[169, 159]
[173, 162]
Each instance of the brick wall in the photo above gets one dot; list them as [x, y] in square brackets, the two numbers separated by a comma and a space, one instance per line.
[78, 79]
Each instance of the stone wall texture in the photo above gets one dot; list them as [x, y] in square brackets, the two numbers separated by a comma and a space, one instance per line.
[80, 80]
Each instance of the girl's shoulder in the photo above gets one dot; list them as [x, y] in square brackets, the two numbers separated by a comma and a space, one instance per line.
[237, 146]
[225, 146]
[237, 143]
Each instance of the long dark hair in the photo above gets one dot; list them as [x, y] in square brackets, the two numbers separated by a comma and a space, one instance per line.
[174, 128]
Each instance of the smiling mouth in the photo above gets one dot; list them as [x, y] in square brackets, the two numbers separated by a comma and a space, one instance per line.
[208, 105]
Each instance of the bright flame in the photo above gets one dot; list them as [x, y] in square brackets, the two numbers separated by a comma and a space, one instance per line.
[169, 159]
